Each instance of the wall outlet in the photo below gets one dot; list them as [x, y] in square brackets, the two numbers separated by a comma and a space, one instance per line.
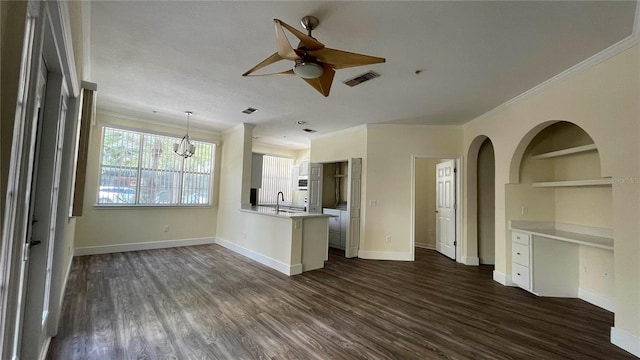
[524, 211]
[388, 238]
[373, 203]
[165, 228]
[245, 236]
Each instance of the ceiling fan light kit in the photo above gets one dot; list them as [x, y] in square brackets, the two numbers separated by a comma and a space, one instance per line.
[314, 63]
[307, 70]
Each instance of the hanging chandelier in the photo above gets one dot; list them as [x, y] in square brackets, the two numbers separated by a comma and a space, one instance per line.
[185, 148]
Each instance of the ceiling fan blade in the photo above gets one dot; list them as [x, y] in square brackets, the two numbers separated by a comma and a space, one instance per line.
[284, 46]
[286, 72]
[266, 62]
[323, 83]
[309, 42]
[339, 59]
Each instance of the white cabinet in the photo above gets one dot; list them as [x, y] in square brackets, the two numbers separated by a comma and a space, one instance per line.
[304, 168]
[544, 265]
[256, 170]
[337, 227]
[521, 259]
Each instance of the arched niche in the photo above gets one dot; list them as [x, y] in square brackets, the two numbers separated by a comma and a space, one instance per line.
[559, 200]
[481, 200]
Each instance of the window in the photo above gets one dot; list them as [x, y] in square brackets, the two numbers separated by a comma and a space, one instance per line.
[276, 176]
[141, 169]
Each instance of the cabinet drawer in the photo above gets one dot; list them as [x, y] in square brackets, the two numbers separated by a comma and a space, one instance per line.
[520, 254]
[520, 275]
[520, 238]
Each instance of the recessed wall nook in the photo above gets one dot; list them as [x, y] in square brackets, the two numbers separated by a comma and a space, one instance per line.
[560, 218]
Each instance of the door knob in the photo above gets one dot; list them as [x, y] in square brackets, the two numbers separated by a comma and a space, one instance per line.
[33, 243]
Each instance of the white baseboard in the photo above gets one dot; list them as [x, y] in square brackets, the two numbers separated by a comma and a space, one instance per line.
[502, 278]
[262, 259]
[626, 341]
[385, 255]
[425, 246]
[470, 260]
[107, 249]
[597, 299]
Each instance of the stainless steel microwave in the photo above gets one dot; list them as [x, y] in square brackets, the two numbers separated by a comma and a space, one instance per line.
[303, 182]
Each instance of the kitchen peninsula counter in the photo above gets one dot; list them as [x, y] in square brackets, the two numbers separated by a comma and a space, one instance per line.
[289, 241]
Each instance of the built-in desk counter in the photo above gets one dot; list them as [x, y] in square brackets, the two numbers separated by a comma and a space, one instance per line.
[546, 260]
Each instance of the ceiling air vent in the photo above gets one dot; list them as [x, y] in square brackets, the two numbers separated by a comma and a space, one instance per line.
[309, 130]
[249, 110]
[362, 78]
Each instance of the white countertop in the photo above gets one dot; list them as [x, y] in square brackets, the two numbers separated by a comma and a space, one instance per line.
[283, 213]
[582, 235]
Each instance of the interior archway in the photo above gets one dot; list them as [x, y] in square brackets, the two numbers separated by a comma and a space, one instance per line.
[481, 201]
[559, 200]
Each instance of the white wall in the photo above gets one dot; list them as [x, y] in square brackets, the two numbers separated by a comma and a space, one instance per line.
[389, 178]
[106, 226]
[602, 100]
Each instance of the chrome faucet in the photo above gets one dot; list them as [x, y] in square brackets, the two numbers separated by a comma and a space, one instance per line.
[280, 194]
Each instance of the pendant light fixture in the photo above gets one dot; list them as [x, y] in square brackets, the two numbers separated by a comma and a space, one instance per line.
[185, 148]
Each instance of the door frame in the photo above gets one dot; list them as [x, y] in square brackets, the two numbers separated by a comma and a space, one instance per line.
[47, 37]
[458, 160]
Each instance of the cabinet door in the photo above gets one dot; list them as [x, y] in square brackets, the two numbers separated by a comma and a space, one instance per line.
[304, 168]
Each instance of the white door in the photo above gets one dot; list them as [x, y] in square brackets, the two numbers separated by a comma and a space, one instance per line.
[446, 208]
[354, 195]
[314, 188]
[43, 212]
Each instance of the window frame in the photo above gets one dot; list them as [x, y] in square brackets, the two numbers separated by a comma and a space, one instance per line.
[140, 168]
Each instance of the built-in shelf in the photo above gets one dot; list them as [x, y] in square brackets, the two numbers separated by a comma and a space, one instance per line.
[568, 151]
[575, 183]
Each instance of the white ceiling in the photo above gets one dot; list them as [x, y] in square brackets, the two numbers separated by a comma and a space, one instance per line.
[172, 56]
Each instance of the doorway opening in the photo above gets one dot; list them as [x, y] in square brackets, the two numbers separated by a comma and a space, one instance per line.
[486, 203]
[340, 197]
[436, 206]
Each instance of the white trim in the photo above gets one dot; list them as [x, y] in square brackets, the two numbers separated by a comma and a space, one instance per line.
[45, 348]
[425, 246]
[502, 278]
[262, 259]
[625, 340]
[106, 124]
[235, 128]
[108, 249]
[340, 132]
[604, 301]
[470, 260]
[385, 255]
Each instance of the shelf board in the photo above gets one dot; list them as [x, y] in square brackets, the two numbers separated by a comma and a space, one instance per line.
[575, 183]
[563, 152]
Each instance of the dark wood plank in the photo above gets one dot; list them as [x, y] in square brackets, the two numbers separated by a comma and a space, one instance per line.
[206, 302]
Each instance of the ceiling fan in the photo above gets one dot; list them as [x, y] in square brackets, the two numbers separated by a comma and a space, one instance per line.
[314, 62]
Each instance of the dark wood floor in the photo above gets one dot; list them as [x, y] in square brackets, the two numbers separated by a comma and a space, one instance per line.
[206, 302]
